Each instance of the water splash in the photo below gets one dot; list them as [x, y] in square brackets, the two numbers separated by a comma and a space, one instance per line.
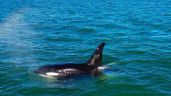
[17, 38]
[14, 31]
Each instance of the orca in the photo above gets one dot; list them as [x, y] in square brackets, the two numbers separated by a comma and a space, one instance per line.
[92, 67]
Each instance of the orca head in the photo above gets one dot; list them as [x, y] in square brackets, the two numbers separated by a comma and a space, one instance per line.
[42, 70]
[96, 58]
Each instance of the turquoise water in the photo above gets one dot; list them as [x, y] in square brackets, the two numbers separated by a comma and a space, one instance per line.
[137, 33]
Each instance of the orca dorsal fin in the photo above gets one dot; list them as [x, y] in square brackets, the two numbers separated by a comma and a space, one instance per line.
[96, 58]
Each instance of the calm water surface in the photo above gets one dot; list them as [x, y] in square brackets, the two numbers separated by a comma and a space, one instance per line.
[137, 33]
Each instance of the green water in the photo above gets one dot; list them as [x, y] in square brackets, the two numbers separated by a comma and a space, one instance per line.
[137, 33]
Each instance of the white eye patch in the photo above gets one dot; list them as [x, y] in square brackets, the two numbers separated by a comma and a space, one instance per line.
[52, 74]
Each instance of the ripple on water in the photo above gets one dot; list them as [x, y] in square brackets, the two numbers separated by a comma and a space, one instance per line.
[113, 25]
[64, 38]
[87, 30]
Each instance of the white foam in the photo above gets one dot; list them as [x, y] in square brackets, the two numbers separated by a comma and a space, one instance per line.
[100, 68]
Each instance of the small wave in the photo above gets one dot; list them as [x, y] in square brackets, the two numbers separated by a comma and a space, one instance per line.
[63, 39]
[86, 30]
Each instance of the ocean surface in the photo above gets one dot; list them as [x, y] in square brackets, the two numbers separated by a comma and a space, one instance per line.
[137, 33]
